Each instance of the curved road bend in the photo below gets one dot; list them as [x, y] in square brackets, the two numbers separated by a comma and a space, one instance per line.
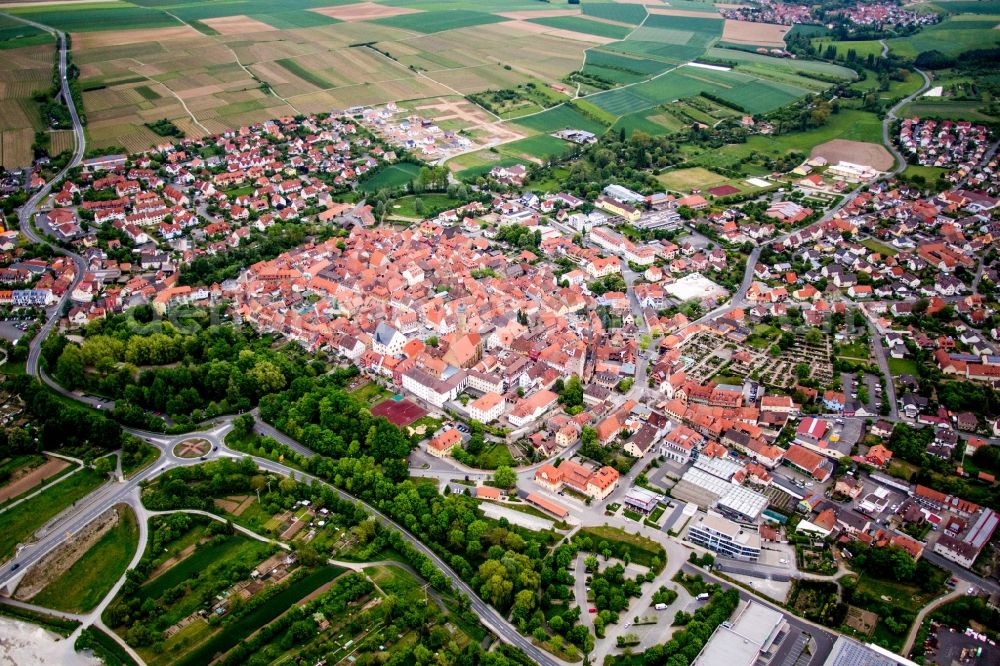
[488, 615]
[27, 211]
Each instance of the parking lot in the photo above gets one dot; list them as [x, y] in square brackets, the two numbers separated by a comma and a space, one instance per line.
[849, 383]
[13, 330]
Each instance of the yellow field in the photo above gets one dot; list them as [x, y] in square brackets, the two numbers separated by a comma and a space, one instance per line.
[22, 72]
[15, 148]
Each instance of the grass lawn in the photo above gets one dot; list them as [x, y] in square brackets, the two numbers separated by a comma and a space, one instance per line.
[19, 523]
[406, 206]
[684, 180]
[641, 549]
[903, 366]
[393, 176]
[881, 248]
[371, 393]
[495, 456]
[928, 173]
[83, 585]
[857, 350]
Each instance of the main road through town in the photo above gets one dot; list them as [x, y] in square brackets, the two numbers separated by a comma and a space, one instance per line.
[27, 212]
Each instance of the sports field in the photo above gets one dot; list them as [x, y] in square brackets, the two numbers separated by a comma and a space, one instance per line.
[399, 412]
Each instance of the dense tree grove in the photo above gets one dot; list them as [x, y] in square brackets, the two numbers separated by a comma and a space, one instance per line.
[161, 366]
[57, 425]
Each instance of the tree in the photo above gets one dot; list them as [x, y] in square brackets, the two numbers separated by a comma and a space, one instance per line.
[103, 465]
[243, 425]
[504, 477]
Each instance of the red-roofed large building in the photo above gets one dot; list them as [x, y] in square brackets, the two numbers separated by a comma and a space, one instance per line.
[808, 462]
[443, 444]
[596, 485]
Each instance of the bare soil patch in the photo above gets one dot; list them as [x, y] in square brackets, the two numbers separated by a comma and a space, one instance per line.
[65, 555]
[104, 38]
[237, 25]
[364, 11]
[539, 29]
[859, 152]
[25, 479]
[759, 34]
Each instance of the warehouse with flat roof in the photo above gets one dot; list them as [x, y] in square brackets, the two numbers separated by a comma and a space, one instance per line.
[751, 634]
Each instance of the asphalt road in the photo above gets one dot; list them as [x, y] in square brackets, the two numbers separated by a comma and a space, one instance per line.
[28, 210]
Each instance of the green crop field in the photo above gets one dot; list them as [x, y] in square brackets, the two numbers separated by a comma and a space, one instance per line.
[783, 64]
[393, 176]
[702, 30]
[952, 36]
[580, 24]
[613, 11]
[438, 21]
[20, 522]
[83, 585]
[950, 110]
[753, 94]
[621, 68]
[89, 17]
[968, 6]
[538, 146]
[561, 117]
[295, 19]
[14, 34]
[306, 75]
[649, 122]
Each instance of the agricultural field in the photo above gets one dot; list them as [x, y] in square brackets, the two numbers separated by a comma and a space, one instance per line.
[213, 67]
[951, 36]
[24, 70]
[90, 578]
[958, 110]
[14, 34]
[585, 25]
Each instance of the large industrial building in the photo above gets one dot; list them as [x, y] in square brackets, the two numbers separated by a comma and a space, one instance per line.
[751, 635]
[725, 537]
